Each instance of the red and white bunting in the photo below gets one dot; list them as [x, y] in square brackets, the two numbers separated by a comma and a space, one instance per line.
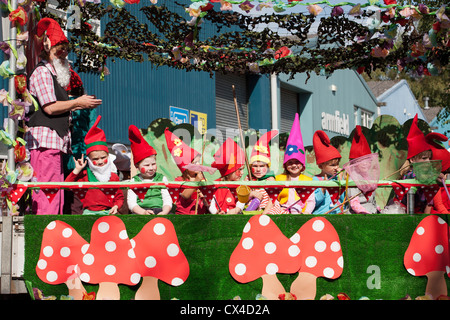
[16, 193]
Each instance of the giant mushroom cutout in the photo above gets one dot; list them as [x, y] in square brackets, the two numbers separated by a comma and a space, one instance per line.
[110, 259]
[61, 252]
[158, 256]
[262, 252]
[321, 256]
[428, 254]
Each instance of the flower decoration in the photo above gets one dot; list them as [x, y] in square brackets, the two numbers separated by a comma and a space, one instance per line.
[178, 152]
[20, 152]
[283, 52]
[337, 11]
[20, 83]
[19, 109]
[314, 9]
[246, 6]
[19, 15]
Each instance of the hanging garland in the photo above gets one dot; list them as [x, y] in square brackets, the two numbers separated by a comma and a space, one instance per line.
[241, 43]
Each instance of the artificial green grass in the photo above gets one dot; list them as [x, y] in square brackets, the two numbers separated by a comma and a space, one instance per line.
[373, 247]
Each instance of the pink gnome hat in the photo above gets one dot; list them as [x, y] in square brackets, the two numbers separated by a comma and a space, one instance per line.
[294, 145]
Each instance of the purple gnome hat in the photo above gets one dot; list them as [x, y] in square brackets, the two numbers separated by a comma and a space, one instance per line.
[294, 144]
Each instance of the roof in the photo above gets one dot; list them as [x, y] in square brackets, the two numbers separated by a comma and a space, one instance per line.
[431, 113]
[380, 87]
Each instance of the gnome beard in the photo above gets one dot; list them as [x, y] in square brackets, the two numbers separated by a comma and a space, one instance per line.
[102, 173]
[62, 68]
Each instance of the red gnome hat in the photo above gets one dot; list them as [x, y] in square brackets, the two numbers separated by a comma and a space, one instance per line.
[439, 151]
[180, 151]
[261, 150]
[360, 146]
[95, 138]
[228, 158]
[139, 146]
[323, 149]
[53, 31]
[416, 140]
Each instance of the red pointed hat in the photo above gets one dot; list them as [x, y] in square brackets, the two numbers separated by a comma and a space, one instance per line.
[95, 138]
[139, 146]
[180, 151]
[360, 147]
[53, 31]
[434, 139]
[323, 149]
[416, 140]
[228, 158]
[261, 150]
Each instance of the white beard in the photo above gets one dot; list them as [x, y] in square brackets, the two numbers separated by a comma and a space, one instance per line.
[102, 173]
[62, 69]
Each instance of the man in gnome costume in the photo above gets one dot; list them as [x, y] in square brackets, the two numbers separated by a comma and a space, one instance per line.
[48, 134]
[327, 159]
[294, 163]
[97, 202]
[360, 204]
[156, 201]
[189, 200]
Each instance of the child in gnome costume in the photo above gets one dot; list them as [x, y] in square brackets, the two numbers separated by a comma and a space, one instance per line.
[229, 159]
[98, 170]
[418, 151]
[156, 200]
[441, 201]
[327, 159]
[189, 200]
[260, 168]
[294, 163]
[360, 204]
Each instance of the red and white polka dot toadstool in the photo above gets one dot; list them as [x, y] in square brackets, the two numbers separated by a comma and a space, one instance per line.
[428, 254]
[262, 252]
[321, 256]
[158, 256]
[61, 252]
[110, 259]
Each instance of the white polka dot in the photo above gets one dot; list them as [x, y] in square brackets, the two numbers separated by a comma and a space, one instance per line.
[318, 225]
[85, 248]
[340, 262]
[264, 220]
[173, 250]
[439, 249]
[328, 272]
[411, 271]
[85, 277]
[177, 282]
[110, 270]
[271, 268]
[123, 235]
[320, 246]
[420, 231]
[131, 254]
[135, 278]
[417, 257]
[67, 232]
[270, 247]
[441, 221]
[64, 252]
[52, 276]
[311, 261]
[294, 251]
[110, 246]
[247, 227]
[42, 264]
[51, 225]
[103, 227]
[133, 243]
[47, 251]
[295, 238]
[335, 246]
[88, 259]
[247, 243]
[159, 229]
[150, 262]
[240, 269]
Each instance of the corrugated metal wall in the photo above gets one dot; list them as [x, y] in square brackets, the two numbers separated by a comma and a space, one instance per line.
[136, 93]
